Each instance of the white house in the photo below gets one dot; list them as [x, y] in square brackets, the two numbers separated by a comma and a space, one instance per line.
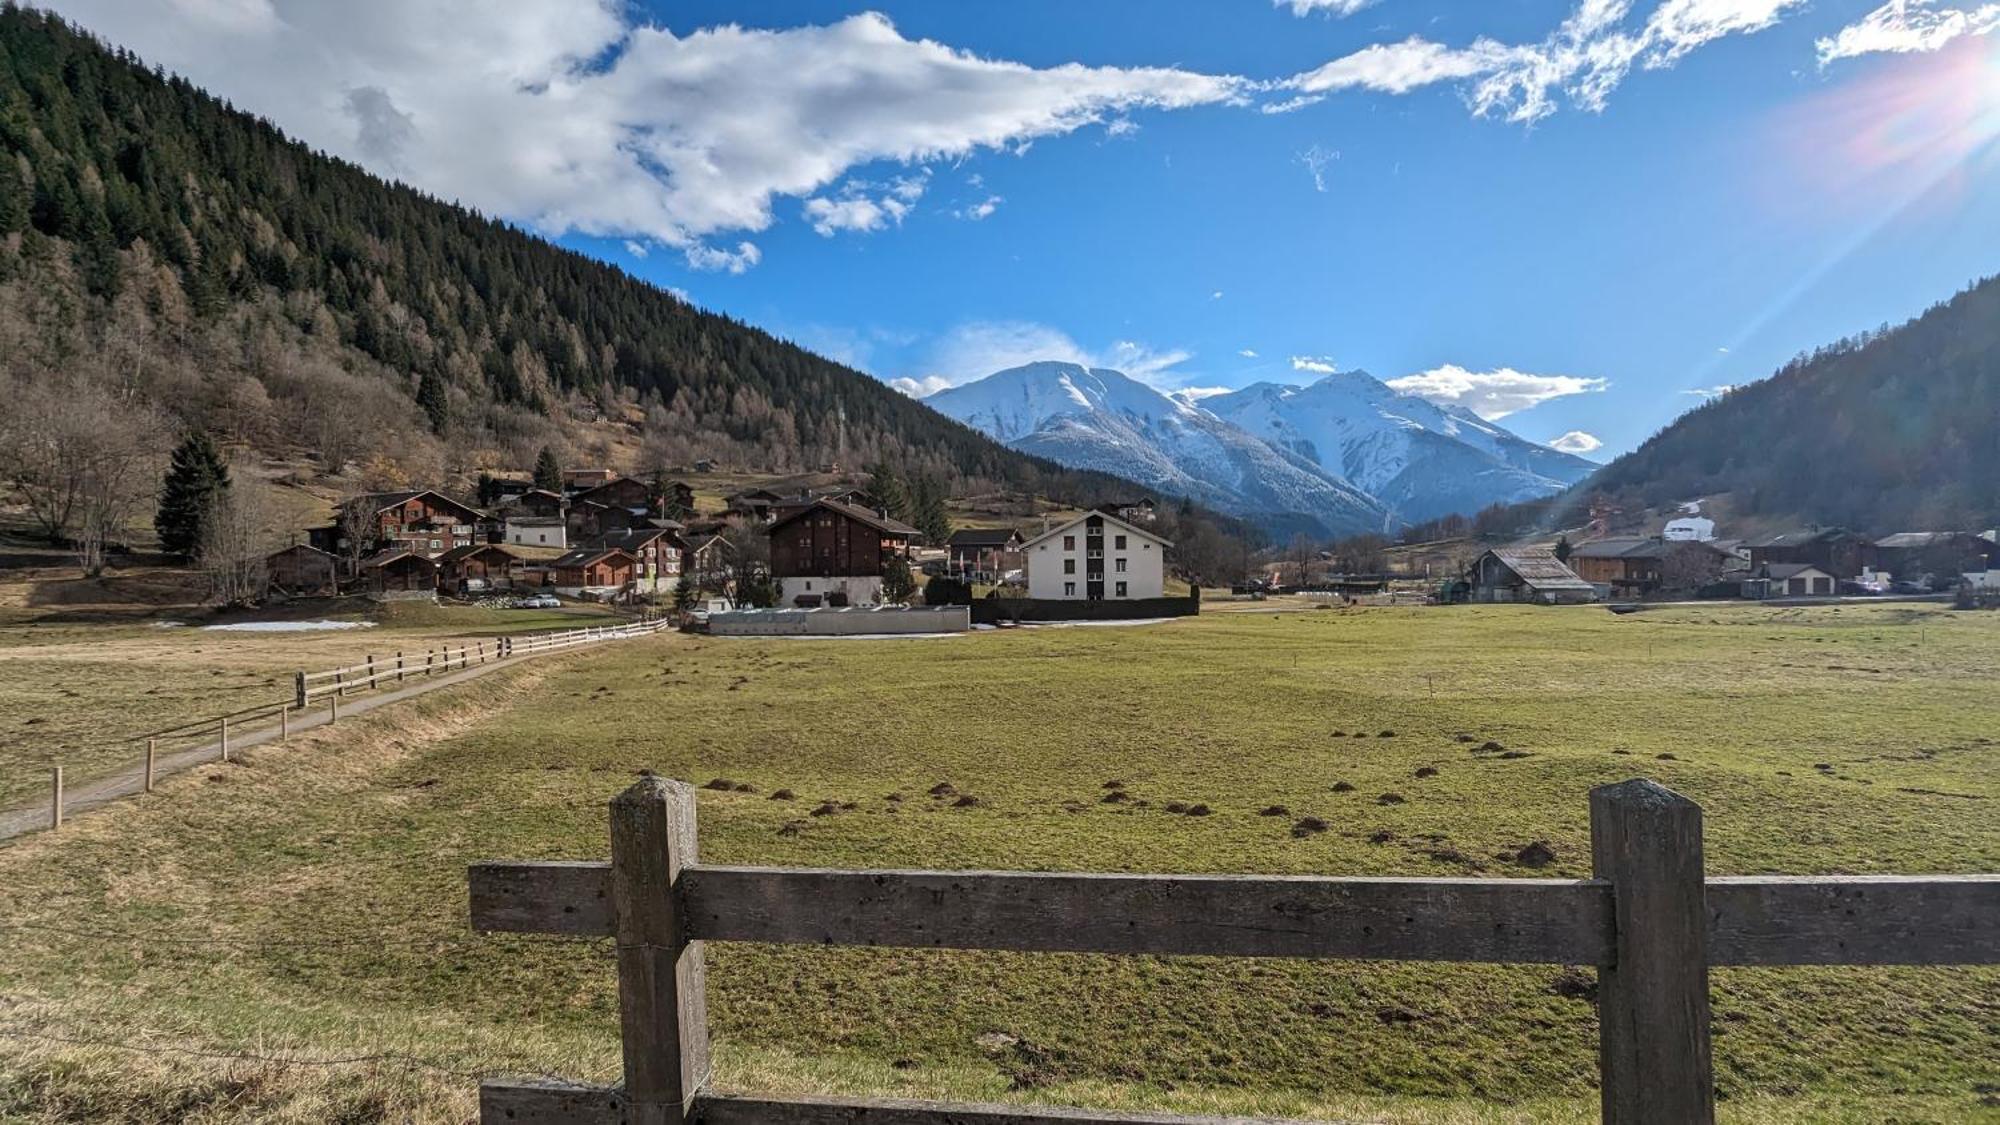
[1096, 557]
[1689, 529]
[536, 531]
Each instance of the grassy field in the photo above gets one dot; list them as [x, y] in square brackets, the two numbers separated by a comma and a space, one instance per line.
[307, 907]
[77, 693]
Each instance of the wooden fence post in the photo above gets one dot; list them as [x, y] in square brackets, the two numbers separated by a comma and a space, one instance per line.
[339, 682]
[55, 797]
[399, 666]
[332, 709]
[284, 723]
[371, 671]
[152, 751]
[428, 656]
[1654, 1056]
[299, 689]
[222, 739]
[662, 998]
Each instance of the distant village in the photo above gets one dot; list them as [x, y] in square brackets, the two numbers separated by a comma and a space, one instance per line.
[597, 535]
[605, 537]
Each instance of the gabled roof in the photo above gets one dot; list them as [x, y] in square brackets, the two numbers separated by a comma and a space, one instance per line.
[584, 556]
[399, 498]
[633, 538]
[306, 547]
[1619, 548]
[460, 554]
[613, 482]
[1918, 539]
[1802, 537]
[1539, 568]
[759, 495]
[515, 499]
[1107, 517]
[983, 536]
[395, 554]
[878, 521]
[1790, 570]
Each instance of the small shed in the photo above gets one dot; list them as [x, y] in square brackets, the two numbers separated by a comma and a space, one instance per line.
[302, 571]
[1790, 580]
[594, 572]
[1532, 575]
[477, 568]
[400, 573]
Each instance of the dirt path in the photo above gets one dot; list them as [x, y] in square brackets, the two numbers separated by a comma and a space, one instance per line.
[91, 795]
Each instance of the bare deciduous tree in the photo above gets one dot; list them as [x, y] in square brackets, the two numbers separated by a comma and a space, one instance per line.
[236, 538]
[85, 458]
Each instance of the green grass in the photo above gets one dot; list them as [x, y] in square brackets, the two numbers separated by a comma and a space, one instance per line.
[82, 695]
[347, 839]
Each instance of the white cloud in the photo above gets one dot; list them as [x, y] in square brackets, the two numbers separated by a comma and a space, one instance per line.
[1906, 26]
[1492, 394]
[852, 208]
[978, 349]
[1318, 159]
[704, 257]
[1577, 442]
[921, 388]
[980, 210]
[1215, 296]
[1248, 353]
[570, 115]
[1584, 59]
[1340, 8]
[1121, 127]
[1316, 364]
[636, 249]
[1717, 391]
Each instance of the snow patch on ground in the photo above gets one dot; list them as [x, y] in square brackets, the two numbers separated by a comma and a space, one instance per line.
[286, 626]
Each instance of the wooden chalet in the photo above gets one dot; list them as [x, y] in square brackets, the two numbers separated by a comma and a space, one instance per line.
[983, 554]
[708, 558]
[478, 568]
[1835, 550]
[537, 502]
[1909, 554]
[830, 548]
[1636, 567]
[302, 571]
[1142, 510]
[659, 551]
[756, 504]
[1531, 575]
[576, 480]
[400, 571]
[594, 572]
[421, 521]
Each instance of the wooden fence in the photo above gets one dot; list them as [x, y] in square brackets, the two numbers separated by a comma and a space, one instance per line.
[398, 667]
[330, 687]
[1648, 920]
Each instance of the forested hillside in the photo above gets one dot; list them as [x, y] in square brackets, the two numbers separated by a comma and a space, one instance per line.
[162, 251]
[1891, 430]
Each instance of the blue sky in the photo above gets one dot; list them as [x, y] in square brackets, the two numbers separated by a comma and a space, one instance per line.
[1573, 214]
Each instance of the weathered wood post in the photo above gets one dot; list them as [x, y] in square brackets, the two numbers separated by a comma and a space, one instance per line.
[152, 751]
[56, 800]
[299, 689]
[399, 666]
[332, 709]
[339, 682]
[222, 739]
[1654, 1058]
[371, 671]
[662, 997]
[284, 723]
[429, 655]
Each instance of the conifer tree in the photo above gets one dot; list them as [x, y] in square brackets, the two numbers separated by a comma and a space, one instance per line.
[197, 478]
[548, 471]
[897, 581]
[431, 396]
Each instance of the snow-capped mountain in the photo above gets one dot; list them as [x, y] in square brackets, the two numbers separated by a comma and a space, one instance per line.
[1096, 418]
[1419, 459]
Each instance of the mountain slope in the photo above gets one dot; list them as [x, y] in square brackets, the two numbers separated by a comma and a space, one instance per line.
[275, 295]
[1888, 431]
[1418, 459]
[1096, 418]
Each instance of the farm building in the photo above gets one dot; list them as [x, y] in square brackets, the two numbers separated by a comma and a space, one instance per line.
[835, 552]
[1526, 574]
[400, 573]
[536, 502]
[1790, 580]
[476, 569]
[1096, 556]
[1837, 551]
[1142, 510]
[756, 504]
[420, 521]
[983, 554]
[536, 531]
[593, 572]
[302, 571]
[1641, 567]
[707, 559]
[658, 550]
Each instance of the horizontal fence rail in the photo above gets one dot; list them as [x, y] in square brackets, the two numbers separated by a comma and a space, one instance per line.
[396, 668]
[1649, 920]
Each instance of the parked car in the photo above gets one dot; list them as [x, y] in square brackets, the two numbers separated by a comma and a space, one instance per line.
[540, 601]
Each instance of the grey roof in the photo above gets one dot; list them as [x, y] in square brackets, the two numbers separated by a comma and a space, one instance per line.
[1539, 568]
[876, 520]
[584, 556]
[1790, 570]
[983, 536]
[1619, 548]
[1921, 538]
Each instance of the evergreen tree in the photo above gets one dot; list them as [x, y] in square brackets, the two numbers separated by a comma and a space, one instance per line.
[887, 487]
[548, 471]
[897, 581]
[431, 396]
[196, 478]
[1562, 549]
[684, 595]
[755, 589]
[927, 510]
[13, 198]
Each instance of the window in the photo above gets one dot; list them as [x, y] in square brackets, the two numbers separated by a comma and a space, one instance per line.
[1119, 566]
[1069, 589]
[1118, 542]
[1121, 589]
[1069, 566]
[1069, 542]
